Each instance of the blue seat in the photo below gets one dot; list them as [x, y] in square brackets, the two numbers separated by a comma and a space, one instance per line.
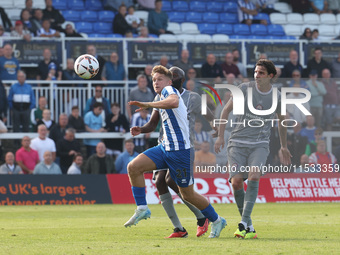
[197, 6]
[195, 17]
[180, 6]
[288, 37]
[230, 18]
[60, 4]
[238, 37]
[241, 29]
[214, 7]
[258, 29]
[262, 16]
[76, 5]
[103, 27]
[93, 5]
[88, 16]
[84, 27]
[230, 7]
[211, 17]
[273, 37]
[207, 28]
[71, 15]
[276, 30]
[257, 37]
[113, 36]
[178, 17]
[166, 6]
[106, 16]
[224, 29]
[94, 35]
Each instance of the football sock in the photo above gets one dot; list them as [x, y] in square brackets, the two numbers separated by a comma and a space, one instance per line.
[142, 207]
[169, 208]
[193, 208]
[139, 195]
[209, 212]
[239, 199]
[249, 200]
[251, 228]
[244, 224]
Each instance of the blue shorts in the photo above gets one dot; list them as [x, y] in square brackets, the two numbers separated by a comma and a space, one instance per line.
[180, 163]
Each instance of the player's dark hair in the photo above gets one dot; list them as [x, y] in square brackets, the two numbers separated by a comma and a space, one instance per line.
[75, 107]
[97, 104]
[115, 104]
[78, 154]
[128, 141]
[317, 48]
[178, 77]
[161, 70]
[269, 65]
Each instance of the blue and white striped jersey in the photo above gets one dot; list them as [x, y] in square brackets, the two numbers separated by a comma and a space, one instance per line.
[241, 15]
[138, 121]
[175, 123]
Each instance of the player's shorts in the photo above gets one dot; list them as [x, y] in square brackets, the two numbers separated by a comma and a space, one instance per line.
[180, 163]
[241, 158]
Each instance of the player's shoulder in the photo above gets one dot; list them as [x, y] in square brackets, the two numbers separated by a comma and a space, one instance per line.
[168, 90]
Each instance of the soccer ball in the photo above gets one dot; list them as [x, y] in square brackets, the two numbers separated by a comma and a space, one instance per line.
[86, 66]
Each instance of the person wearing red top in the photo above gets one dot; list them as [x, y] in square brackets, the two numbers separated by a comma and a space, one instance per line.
[322, 160]
[26, 157]
[229, 67]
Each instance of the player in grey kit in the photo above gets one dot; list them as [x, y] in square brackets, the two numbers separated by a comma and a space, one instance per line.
[249, 146]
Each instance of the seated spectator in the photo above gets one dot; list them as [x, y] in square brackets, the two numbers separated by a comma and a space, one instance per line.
[53, 15]
[309, 130]
[336, 66]
[210, 69]
[46, 65]
[3, 129]
[75, 120]
[46, 119]
[334, 6]
[158, 20]
[297, 81]
[37, 19]
[301, 6]
[47, 31]
[292, 65]
[247, 11]
[70, 32]
[317, 63]
[133, 20]
[27, 158]
[128, 34]
[113, 70]
[304, 164]
[204, 158]
[319, 6]
[126, 157]
[120, 25]
[42, 143]
[67, 148]
[92, 50]
[164, 61]
[266, 6]
[57, 132]
[28, 7]
[75, 168]
[27, 21]
[146, 4]
[100, 163]
[21, 32]
[311, 146]
[116, 122]
[229, 67]
[115, 4]
[9, 167]
[307, 34]
[315, 35]
[94, 123]
[47, 166]
[6, 22]
[9, 65]
[236, 61]
[139, 119]
[98, 98]
[200, 135]
[184, 63]
[3, 34]
[36, 113]
[69, 74]
[322, 158]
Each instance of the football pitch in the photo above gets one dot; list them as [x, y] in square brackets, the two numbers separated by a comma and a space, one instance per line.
[308, 228]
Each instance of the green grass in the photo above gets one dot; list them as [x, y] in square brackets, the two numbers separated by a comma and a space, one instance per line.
[98, 229]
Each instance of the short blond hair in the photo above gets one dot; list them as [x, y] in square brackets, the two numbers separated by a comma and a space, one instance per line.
[161, 70]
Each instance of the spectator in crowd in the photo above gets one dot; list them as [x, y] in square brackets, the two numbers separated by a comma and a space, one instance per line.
[128, 34]
[296, 142]
[57, 132]
[27, 158]
[46, 119]
[3, 103]
[70, 32]
[75, 120]
[144, 33]
[3, 34]
[200, 135]
[304, 164]
[46, 65]
[297, 81]
[164, 61]
[309, 130]
[311, 146]
[116, 122]
[28, 7]
[301, 6]
[147, 73]
[69, 74]
[336, 67]
[94, 123]
[37, 19]
[158, 20]
[247, 11]
[98, 98]
[46, 30]
[317, 90]
[334, 6]
[36, 113]
[42, 143]
[9, 65]
[100, 163]
[229, 67]
[91, 49]
[21, 100]
[5, 21]
[219, 108]
[139, 119]
[319, 6]
[21, 32]
[139, 93]
[191, 85]
[146, 4]
[133, 20]
[75, 168]
[317, 63]
[27, 21]
[315, 35]
[120, 24]
[47, 166]
[211, 69]
[292, 65]
[10, 167]
[190, 75]
[113, 70]
[184, 63]
[236, 61]
[331, 99]
[67, 148]
[126, 157]
[337, 153]
[322, 158]
[3, 129]
[307, 34]
[266, 6]
[204, 158]
[53, 15]
[115, 4]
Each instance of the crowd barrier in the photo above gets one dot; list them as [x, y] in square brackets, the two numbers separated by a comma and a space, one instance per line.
[116, 189]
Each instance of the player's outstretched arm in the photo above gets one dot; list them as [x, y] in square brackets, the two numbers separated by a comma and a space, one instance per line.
[283, 141]
[170, 102]
[149, 126]
[224, 115]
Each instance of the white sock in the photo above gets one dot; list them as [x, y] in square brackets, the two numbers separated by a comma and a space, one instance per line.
[142, 207]
[218, 219]
[244, 224]
[251, 228]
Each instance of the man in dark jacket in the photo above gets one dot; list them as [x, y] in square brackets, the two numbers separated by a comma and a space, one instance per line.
[120, 25]
[6, 22]
[52, 14]
[3, 103]
[100, 163]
